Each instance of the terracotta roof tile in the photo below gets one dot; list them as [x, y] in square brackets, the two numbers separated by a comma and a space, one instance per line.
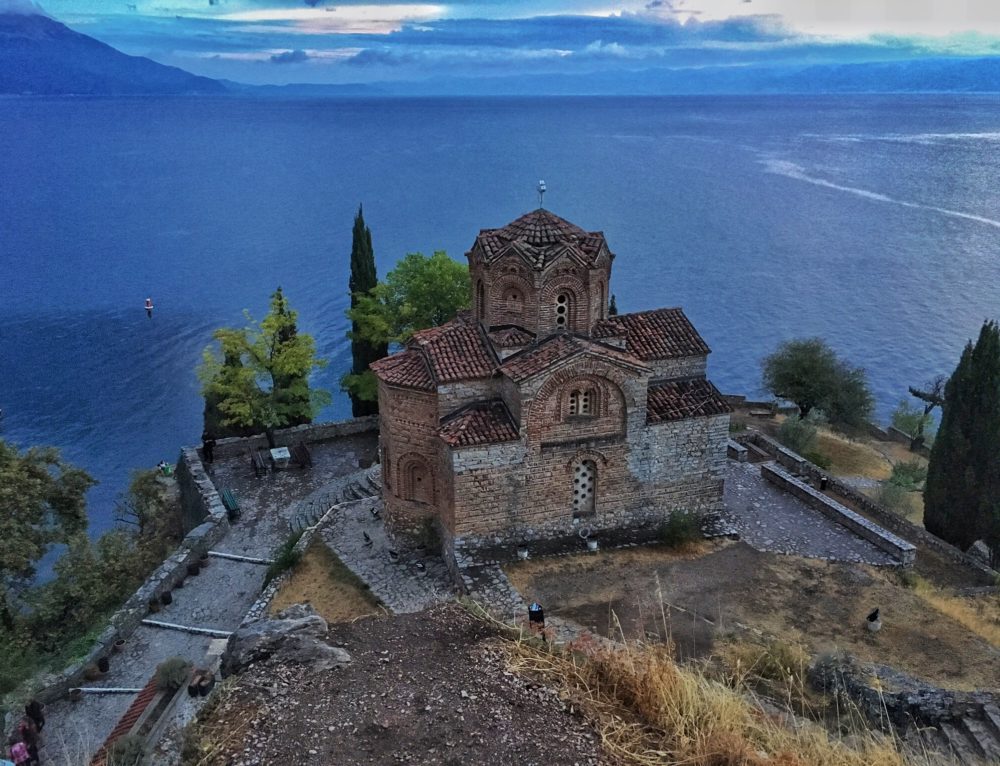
[482, 423]
[456, 351]
[511, 336]
[684, 399]
[407, 369]
[547, 352]
[541, 237]
[656, 334]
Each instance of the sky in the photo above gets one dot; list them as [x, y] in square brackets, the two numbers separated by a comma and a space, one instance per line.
[314, 41]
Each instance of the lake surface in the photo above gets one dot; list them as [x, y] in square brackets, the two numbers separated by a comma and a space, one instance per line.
[871, 221]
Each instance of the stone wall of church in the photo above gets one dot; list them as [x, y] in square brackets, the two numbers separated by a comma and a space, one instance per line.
[505, 495]
[410, 450]
[685, 367]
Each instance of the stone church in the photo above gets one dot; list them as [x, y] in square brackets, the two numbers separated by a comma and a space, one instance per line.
[536, 416]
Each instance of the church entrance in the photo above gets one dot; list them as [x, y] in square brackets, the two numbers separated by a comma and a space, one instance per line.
[584, 480]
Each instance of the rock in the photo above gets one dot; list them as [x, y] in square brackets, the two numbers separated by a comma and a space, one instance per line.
[981, 551]
[295, 635]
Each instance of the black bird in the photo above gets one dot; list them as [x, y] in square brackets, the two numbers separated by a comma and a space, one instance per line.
[873, 617]
[874, 621]
[368, 540]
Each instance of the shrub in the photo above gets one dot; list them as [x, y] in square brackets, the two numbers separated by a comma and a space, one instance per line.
[909, 475]
[172, 674]
[285, 558]
[130, 750]
[909, 418]
[798, 434]
[775, 661]
[681, 528]
[818, 459]
[893, 498]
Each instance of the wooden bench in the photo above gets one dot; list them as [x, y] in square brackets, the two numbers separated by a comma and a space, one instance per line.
[258, 462]
[301, 455]
[232, 503]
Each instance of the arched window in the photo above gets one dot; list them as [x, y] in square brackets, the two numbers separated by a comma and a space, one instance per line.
[582, 402]
[514, 301]
[415, 480]
[584, 489]
[563, 306]
[480, 301]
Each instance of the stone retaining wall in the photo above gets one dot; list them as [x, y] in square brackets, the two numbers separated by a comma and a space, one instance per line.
[202, 494]
[859, 525]
[285, 437]
[891, 521]
[736, 451]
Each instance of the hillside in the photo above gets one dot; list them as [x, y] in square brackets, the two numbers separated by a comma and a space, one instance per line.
[38, 55]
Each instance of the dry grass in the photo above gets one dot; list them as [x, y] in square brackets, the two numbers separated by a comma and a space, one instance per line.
[852, 458]
[321, 580]
[980, 615]
[652, 712]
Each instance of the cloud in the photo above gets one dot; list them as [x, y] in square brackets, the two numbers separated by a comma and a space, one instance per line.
[296, 56]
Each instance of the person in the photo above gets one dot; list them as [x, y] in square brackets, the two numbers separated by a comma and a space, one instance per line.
[149, 307]
[19, 752]
[208, 447]
[35, 710]
[27, 730]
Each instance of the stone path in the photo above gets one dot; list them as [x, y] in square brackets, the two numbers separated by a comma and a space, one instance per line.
[400, 585]
[217, 598]
[771, 520]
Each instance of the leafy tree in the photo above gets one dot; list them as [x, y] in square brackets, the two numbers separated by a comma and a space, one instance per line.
[932, 395]
[910, 419]
[613, 306]
[962, 491]
[420, 292]
[799, 434]
[809, 373]
[41, 504]
[363, 280]
[269, 387]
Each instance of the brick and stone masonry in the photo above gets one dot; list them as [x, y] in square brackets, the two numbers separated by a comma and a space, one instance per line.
[535, 415]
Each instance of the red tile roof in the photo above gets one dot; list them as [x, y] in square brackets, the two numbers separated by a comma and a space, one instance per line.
[127, 721]
[511, 336]
[456, 351]
[540, 237]
[656, 334]
[482, 423]
[408, 369]
[539, 358]
[684, 399]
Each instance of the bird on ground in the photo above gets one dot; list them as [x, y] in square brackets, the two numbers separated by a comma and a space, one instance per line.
[368, 540]
[874, 621]
[421, 567]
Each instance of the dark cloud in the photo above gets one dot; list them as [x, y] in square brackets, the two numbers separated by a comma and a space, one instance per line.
[296, 56]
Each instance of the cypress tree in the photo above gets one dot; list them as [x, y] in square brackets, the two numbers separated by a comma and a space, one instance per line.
[962, 493]
[363, 279]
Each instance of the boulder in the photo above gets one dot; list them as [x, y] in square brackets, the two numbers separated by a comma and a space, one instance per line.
[295, 635]
[980, 551]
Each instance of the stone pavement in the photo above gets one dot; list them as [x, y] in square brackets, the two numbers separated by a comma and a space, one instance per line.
[771, 520]
[217, 597]
[400, 585]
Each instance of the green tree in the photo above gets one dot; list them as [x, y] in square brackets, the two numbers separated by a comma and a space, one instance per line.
[41, 503]
[613, 306]
[364, 279]
[420, 292]
[809, 373]
[269, 387]
[962, 491]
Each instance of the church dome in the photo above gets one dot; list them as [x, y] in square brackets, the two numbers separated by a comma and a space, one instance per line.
[540, 236]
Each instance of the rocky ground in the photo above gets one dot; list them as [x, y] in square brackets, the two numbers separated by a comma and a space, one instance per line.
[425, 688]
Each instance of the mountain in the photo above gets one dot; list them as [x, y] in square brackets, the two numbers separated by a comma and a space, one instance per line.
[931, 75]
[38, 55]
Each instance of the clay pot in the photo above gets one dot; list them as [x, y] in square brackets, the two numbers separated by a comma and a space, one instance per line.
[203, 560]
[154, 605]
[104, 664]
[91, 673]
[75, 694]
[118, 645]
[522, 552]
[166, 598]
[206, 684]
[193, 569]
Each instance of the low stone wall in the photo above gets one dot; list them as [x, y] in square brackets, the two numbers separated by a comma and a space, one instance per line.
[859, 525]
[123, 622]
[285, 437]
[793, 461]
[891, 521]
[897, 435]
[736, 451]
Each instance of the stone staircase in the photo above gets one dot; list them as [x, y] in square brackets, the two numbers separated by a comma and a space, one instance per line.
[356, 486]
[971, 738]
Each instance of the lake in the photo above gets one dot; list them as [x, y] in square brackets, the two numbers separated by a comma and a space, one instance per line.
[872, 221]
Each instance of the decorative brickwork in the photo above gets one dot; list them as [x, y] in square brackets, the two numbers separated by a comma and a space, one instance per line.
[536, 416]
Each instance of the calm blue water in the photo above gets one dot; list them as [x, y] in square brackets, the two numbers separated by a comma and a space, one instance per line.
[872, 221]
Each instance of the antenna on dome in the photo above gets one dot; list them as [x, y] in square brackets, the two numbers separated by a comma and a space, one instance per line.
[541, 192]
